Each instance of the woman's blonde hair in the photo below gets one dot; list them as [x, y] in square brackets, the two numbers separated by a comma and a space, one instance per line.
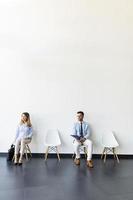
[28, 122]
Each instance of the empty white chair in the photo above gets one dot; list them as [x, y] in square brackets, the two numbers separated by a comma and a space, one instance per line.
[52, 142]
[109, 144]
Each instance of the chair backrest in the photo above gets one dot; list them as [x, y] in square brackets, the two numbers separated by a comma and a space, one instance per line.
[109, 140]
[52, 138]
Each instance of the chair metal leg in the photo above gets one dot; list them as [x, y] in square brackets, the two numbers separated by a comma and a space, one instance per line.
[26, 154]
[85, 152]
[115, 155]
[102, 153]
[28, 148]
[105, 155]
[106, 151]
[57, 149]
[46, 153]
[113, 150]
[73, 155]
[117, 158]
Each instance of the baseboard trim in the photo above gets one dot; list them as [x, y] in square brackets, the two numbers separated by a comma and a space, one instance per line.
[69, 155]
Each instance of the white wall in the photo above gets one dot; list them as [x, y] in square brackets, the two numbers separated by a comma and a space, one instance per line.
[58, 57]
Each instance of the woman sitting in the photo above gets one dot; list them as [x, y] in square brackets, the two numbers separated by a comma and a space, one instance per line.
[23, 137]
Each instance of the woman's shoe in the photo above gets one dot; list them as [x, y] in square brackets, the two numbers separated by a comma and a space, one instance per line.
[15, 163]
[16, 159]
[20, 161]
[20, 164]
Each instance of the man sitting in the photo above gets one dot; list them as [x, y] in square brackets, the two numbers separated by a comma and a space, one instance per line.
[81, 133]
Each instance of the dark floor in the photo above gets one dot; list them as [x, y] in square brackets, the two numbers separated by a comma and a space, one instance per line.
[51, 180]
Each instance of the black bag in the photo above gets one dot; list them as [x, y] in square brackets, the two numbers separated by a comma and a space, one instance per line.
[10, 153]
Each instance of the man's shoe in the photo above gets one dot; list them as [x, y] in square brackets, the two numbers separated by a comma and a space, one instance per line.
[89, 163]
[77, 161]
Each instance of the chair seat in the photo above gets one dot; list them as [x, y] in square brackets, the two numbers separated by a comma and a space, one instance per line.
[110, 146]
[50, 144]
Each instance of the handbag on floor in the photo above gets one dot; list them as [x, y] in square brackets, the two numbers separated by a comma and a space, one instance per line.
[10, 153]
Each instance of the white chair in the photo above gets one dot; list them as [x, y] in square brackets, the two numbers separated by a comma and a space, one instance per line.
[109, 144]
[52, 142]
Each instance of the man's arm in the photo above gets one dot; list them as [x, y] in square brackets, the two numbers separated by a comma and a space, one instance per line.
[74, 133]
[87, 132]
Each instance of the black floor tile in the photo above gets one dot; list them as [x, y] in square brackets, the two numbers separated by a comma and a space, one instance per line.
[53, 180]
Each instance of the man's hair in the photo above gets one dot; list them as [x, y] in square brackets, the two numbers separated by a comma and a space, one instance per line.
[80, 112]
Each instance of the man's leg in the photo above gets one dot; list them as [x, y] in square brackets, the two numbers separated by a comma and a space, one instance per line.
[89, 146]
[77, 152]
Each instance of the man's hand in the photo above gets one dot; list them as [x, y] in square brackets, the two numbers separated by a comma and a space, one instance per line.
[82, 140]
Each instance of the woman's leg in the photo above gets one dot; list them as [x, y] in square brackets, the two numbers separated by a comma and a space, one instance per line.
[22, 148]
[17, 147]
